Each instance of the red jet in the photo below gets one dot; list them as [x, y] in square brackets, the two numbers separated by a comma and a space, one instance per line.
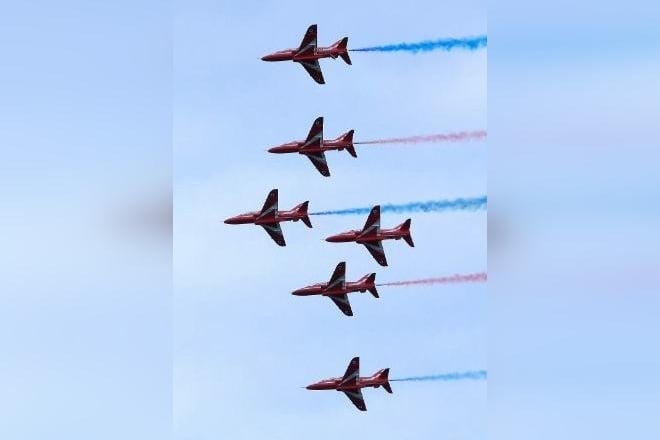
[351, 384]
[308, 54]
[337, 288]
[270, 218]
[371, 236]
[314, 146]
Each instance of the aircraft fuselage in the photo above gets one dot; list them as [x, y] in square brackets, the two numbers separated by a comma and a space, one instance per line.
[325, 145]
[383, 234]
[292, 54]
[335, 383]
[253, 217]
[320, 289]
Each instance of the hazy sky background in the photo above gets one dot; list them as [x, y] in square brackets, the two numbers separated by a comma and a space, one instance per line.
[85, 132]
[574, 100]
[86, 322]
[243, 344]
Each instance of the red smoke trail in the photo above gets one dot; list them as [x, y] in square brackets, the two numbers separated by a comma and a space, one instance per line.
[450, 137]
[469, 278]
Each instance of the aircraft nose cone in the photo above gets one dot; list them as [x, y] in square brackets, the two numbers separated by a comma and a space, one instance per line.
[269, 57]
[332, 239]
[230, 221]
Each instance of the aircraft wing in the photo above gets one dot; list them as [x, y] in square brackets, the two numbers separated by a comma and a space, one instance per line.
[338, 277]
[355, 396]
[308, 42]
[376, 250]
[352, 372]
[314, 69]
[315, 137]
[270, 205]
[275, 232]
[318, 160]
[350, 378]
[343, 304]
[372, 225]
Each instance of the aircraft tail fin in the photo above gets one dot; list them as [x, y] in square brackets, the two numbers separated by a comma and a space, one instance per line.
[370, 281]
[405, 227]
[343, 44]
[348, 138]
[302, 210]
[384, 374]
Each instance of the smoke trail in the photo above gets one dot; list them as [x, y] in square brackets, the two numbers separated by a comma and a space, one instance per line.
[451, 137]
[447, 44]
[467, 375]
[469, 278]
[470, 204]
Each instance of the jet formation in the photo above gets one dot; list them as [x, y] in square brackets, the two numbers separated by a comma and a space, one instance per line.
[308, 54]
[371, 235]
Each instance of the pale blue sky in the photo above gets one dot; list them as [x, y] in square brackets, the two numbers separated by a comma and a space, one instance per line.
[85, 122]
[243, 344]
[88, 93]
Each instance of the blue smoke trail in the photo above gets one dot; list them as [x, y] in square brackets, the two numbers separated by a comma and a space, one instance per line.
[470, 204]
[468, 43]
[468, 375]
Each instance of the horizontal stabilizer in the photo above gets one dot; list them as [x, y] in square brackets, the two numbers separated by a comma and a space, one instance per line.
[348, 139]
[405, 227]
[384, 374]
[302, 210]
[370, 283]
[343, 44]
